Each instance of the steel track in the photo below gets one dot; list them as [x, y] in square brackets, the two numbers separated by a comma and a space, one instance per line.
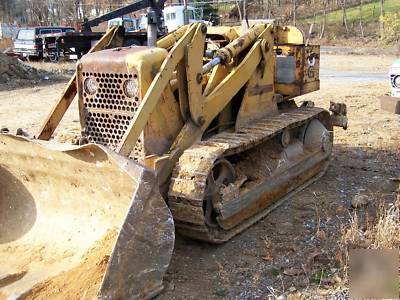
[189, 179]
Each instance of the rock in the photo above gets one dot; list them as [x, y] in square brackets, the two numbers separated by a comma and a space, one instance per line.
[317, 258]
[341, 209]
[4, 130]
[321, 235]
[292, 271]
[221, 291]
[337, 278]
[328, 281]
[284, 227]
[14, 69]
[171, 286]
[267, 258]
[394, 185]
[22, 132]
[360, 200]
[294, 296]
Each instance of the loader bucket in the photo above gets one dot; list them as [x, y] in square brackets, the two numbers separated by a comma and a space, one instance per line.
[79, 223]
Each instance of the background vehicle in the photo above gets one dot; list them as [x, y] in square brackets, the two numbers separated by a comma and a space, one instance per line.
[391, 102]
[174, 16]
[130, 24]
[29, 41]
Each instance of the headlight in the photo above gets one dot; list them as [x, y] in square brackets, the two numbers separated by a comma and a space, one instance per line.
[130, 88]
[90, 85]
[396, 81]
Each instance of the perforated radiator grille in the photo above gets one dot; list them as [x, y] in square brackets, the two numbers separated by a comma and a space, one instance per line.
[109, 111]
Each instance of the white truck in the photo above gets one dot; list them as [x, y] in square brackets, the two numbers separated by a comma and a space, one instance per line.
[174, 16]
[391, 102]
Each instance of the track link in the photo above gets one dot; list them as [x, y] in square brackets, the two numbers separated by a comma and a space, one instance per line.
[189, 179]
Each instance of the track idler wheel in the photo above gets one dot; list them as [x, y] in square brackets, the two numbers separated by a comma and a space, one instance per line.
[222, 174]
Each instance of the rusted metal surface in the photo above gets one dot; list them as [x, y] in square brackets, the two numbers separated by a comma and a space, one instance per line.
[222, 33]
[258, 99]
[189, 183]
[171, 38]
[107, 113]
[261, 89]
[145, 244]
[153, 94]
[234, 152]
[195, 51]
[61, 201]
[239, 44]
[113, 38]
[288, 35]
[305, 69]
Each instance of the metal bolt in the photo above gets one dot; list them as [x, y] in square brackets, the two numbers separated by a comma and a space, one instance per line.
[4, 130]
[285, 138]
[199, 78]
[83, 141]
[201, 121]
[19, 131]
[203, 28]
[266, 47]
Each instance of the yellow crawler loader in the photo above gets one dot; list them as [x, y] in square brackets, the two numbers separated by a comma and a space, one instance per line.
[198, 133]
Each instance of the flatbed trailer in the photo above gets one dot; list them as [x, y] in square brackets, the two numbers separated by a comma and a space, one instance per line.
[73, 45]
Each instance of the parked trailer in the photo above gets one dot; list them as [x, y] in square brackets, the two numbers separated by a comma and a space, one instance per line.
[69, 45]
[73, 45]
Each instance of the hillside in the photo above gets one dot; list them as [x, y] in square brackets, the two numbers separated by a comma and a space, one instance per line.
[370, 16]
[370, 13]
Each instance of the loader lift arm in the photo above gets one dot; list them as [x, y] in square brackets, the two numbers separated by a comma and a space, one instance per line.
[203, 108]
[176, 141]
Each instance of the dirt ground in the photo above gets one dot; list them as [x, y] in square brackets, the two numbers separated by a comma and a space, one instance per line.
[293, 252]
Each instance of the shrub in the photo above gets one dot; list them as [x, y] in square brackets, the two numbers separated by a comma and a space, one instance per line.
[391, 31]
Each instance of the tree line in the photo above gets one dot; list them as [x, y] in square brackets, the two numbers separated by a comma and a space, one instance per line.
[54, 12]
[70, 12]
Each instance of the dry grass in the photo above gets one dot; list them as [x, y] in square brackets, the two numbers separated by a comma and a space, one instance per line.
[383, 233]
[386, 233]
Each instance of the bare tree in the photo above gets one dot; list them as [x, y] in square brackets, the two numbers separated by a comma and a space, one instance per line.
[344, 15]
[294, 11]
[239, 10]
[382, 25]
[6, 10]
[323, 20]
[361, 19]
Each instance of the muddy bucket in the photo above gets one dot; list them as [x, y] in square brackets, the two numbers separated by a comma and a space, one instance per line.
[79, 223]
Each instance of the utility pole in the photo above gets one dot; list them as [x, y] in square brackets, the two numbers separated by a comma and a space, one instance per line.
[185, 13]
[361, 19]
[382, 25]
[294, 12]
[239, 10]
